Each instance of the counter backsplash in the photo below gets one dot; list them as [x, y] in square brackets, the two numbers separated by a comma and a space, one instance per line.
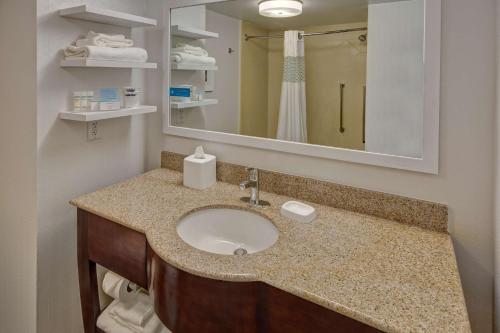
[416, 212]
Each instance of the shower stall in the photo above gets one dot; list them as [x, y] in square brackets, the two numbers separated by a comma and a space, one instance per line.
[335, 79]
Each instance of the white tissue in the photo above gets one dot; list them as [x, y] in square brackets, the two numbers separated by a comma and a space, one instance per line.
[199, 153]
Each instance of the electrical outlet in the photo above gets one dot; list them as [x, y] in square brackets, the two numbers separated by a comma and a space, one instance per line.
[92, 131]
[177, 118]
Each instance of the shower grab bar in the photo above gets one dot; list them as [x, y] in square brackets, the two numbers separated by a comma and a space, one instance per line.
[341, 128]
[364, 113]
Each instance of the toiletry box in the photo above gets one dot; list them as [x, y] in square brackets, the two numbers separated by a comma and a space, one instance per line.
[181, 93]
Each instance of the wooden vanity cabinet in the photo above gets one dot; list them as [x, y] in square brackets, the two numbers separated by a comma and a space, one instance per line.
[187, 303]
[111, 245]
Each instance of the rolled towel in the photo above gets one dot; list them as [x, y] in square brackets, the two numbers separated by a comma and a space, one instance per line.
[186, 58]
[133, 54]
[137, 312]
[194, 50]
[103, 40]
[119, 288]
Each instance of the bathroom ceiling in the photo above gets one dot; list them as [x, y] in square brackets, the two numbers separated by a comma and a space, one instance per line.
[315, 13]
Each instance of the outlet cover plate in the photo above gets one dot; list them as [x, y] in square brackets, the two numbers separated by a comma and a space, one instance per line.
[93, 131]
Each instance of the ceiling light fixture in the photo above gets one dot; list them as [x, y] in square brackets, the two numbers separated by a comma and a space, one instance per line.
[280, 8]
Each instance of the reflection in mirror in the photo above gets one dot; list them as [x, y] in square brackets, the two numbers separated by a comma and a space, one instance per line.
[344, 73]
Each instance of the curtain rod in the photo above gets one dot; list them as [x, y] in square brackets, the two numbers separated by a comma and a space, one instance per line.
[247, 37]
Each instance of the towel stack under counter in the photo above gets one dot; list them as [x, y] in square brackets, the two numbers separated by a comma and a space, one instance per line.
[190, 55]
[98, 46]
[131, 310]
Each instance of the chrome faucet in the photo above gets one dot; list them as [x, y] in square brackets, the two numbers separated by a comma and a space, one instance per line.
[253, 184]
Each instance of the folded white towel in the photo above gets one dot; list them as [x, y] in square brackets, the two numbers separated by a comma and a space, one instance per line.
[98, 39]
[186, 58]
[133, 54]
[136, 312]
[153, 325]
[194, 50]
[114, 324]
[107, 324]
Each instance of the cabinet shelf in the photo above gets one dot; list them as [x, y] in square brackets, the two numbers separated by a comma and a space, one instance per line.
[193, 104]
[107, 16]
[191, 67]
[84, 62]
[101, 115]
[192, 33]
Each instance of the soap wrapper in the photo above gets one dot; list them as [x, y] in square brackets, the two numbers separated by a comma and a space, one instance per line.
[199, 173]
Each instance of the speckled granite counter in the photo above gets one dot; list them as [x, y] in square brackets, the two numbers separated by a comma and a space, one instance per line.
[391, 276]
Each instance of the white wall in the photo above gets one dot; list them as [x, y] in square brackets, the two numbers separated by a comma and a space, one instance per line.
[18, 166]
[394, 85]
[465, 181]
[194, 16]
[193, 117]
[225, 116]
[68, 165]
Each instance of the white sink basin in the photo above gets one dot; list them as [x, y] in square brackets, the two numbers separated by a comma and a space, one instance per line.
[227, 231]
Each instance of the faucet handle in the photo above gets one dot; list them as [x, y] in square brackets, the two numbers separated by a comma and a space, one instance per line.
[253, 173]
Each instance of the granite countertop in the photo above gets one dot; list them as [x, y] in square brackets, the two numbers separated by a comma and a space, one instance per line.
[394, 277]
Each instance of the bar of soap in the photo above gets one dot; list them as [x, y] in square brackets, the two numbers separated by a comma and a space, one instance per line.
[298, 211]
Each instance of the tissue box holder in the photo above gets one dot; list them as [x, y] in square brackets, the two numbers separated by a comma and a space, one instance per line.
[199, 173]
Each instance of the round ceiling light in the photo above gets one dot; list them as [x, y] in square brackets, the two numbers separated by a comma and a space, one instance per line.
[280, 8]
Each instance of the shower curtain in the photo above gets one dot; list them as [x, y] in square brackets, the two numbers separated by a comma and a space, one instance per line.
[292, 124]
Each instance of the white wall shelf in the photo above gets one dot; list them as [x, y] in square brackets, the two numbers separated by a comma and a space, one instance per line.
[192, 33]
[191, 67]
[83, 62]
[193, 104]
[107, 16]
[101, 115]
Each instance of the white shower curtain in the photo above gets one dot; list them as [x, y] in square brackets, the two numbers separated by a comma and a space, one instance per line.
[292, 123]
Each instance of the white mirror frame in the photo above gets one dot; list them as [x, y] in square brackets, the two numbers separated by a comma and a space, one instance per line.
[429, 163]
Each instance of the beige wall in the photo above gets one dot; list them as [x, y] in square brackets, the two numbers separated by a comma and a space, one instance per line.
[275, 80]
[254, 83]
[330, 59]
[18, 166]
[465, 180]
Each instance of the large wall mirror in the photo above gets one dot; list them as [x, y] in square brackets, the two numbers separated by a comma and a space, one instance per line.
[353, 80]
